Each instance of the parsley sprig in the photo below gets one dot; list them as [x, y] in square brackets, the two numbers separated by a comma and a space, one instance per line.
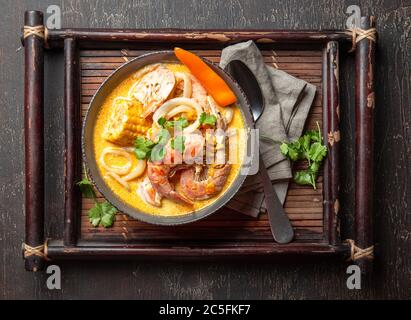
[310, 147]
[102, 213]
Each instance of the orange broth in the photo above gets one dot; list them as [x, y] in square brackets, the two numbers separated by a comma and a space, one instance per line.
[168, 207]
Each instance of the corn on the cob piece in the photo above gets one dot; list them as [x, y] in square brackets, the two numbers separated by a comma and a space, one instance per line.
[125, 123]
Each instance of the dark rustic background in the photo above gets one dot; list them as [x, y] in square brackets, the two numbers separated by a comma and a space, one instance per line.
[208, 280]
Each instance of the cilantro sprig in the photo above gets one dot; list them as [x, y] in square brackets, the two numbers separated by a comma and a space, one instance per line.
[143, 147]
[178, 124]
[309, 147]
[177, 143]
[152, 150]
[102, 213]
[86, 188]
[208, 119]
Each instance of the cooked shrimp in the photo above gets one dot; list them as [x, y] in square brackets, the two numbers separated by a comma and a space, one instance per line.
[214, 175]
[193, 148]
[153, 89]
[196, 188]
[198, 93]
[148, 194]
[159, 175]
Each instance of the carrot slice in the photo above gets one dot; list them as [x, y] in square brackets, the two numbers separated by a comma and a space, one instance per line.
[211, 81]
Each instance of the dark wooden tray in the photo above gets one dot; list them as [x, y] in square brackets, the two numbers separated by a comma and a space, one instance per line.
[91, 55]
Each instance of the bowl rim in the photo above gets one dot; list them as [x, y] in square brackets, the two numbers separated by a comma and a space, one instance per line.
[121, 205]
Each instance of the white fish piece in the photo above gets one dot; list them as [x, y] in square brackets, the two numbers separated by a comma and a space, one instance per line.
[153, 89]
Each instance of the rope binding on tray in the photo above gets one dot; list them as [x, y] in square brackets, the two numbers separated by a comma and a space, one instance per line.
[38, 31]
[359, 253]
[39, 251]
[359, 34]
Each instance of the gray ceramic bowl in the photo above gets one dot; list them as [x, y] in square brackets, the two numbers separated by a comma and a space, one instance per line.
[88, 144]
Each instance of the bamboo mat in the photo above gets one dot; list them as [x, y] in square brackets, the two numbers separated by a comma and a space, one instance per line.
[303, 205]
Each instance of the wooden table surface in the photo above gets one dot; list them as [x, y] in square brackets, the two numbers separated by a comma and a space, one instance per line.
[213, 280]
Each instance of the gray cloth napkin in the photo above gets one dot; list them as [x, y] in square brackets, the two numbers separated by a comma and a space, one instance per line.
[287, 103]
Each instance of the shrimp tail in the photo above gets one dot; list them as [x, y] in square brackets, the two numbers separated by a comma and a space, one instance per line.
[175, 196]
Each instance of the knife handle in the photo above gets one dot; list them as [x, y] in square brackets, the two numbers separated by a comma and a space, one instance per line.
[280, 224]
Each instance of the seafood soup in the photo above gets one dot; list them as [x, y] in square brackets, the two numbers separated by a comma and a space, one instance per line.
[157, 142]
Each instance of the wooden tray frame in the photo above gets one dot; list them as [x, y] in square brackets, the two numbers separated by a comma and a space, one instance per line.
[71, 40]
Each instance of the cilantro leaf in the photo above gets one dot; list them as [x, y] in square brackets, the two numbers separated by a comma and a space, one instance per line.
[179, 124]
[284, 149]
[208, 119]
[305, 177]
[143, 147]
[315, 167]
[317, 152]
[292, 150]
[158, 153]
[140, 154]
[107, 220]
[305, 142]
[178, 143]
[108, 214]
[161, 121]
[309, 147]
[94, 215]
[162, 137]
[108, 208]
[86, 187]
[314, 135]
[102, 214]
